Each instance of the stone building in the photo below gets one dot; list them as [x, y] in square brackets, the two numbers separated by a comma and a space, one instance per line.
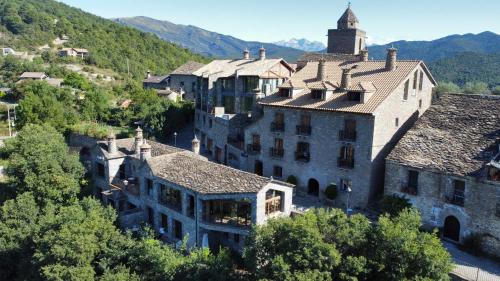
[347, 38]
[183, 81]
[448, 166]
[226, 99]
[182, 195]
[335, 120]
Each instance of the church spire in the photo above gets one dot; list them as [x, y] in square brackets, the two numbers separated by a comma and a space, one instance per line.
[348, 20]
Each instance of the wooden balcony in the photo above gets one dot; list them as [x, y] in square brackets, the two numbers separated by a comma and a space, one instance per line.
[304, 130]
[303, 156]
[346, 163]
[276, 153]
[253, 148]
[277, 127]
[347, 135]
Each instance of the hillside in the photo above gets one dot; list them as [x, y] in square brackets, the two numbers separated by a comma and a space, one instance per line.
[302, 44]
[484, 43]
[27, 24]
[205, 42]
[468, 67]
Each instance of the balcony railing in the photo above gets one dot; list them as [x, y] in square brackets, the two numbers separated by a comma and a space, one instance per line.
[277, 127]
[346, 163]
[412, 190]
[253, 148]
[302, 156]
[130, 186]
[347, 135]
[456, 200]
[276, 152]
[304, 130]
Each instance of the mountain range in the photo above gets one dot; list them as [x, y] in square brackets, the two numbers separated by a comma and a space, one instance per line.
[207, 43]
[302, 44]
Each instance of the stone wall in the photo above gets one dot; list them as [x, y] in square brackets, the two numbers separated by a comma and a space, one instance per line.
[477, 216]
[190, 84]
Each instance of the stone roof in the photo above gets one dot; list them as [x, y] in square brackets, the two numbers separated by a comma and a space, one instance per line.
[33, 75]
[458, 135]
[188, 68]
[348, 17]
[155, 79]
[189, 171]
[126, 147]
[366, 75]
[309, 57]
[244, 67]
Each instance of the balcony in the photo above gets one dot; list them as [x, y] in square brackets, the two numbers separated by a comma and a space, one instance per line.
[346, 163]
[230, 213]
[302, 156]
[253, 148]
[456, 199]
[130, 186]
[277, 127]
[411, 190]
[304, 130]
[347, 135]
[276, 152]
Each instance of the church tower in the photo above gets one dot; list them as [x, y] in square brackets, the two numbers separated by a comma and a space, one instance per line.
[347, 38]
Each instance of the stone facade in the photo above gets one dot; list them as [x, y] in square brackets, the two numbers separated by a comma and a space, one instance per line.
[347, 38]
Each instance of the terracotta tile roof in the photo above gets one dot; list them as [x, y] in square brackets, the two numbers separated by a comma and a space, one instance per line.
[321, 85]
[369, 74]
[228, 68]
[458, 135]
[188, 68]
[187, 170]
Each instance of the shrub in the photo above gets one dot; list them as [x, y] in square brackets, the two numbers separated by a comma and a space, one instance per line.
[331, 191]
[394, 204]
[292, 180]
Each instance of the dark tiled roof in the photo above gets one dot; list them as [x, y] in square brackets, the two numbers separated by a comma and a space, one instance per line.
[348, 17]
[459, 134]
[308, 57]
[188, 170]
[188, 68]
[155, 79]
[127, 147]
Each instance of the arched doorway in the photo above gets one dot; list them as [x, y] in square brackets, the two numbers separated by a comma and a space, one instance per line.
[452, 228]
[313, 187]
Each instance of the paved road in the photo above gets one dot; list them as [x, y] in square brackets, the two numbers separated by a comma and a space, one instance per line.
[472, 267]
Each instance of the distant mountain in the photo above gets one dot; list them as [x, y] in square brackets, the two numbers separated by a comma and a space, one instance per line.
[429, 51]
[302, 44]
[205, 42]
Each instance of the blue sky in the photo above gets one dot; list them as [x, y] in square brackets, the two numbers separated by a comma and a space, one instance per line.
[274, 20]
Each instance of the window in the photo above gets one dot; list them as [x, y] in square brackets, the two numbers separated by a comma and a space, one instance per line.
[421, 85]
[349, 133]
[164, 222]
[149, 186]
[277, 172]
[177, 229]
[250, 84]
[346, 159]
[100, 170]
[415, 80]
[304, 128]
[255, 145]
[170, 198]
[317, 94]
[274, 202]
[193, 86]
[412, 184]
[191, 207]
[346, 184]
[247, 104]
[210, 144]
[279, 122]
[236, 238]
[121, 172]
[420, 103]
[210, 123]
[151, 216]
[396, 122]
[407, 89]
[303, 154]
[285, 93]
[228, 212]
[227, 85]
[458, 193]
[277, 151]
[354, 96]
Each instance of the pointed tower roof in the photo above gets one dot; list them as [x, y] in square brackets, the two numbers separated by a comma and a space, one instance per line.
[348, 20]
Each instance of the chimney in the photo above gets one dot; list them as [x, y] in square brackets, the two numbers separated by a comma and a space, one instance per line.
[112, 149]
[139, 140]
[322, 70]
[195, 145]
[390, 63]
[148, 75]
[145, 151]
[346, 78]
[363, 55]
[246, 54]
[262, 53]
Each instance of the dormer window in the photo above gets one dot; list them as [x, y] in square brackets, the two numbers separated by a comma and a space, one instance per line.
[285, 93]
[317, 94]
[354, 96]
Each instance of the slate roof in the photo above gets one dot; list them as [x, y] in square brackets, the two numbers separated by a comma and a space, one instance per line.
[189, 171]
[348, 17]
[367, 75]
[188, 68]
[127, 147]
[228, 68]
[155, 79]
[33, 75]
[308, 57]
[458, 135]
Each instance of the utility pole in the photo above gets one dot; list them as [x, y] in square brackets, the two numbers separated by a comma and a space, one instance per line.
[8, 120]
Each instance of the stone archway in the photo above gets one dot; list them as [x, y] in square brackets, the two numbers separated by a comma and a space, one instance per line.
[451, 229]
[313, 187]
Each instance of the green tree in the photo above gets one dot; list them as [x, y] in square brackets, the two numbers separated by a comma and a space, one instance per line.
[77, 81]
[476, 88]
[447, 87]
[40, 163]
[496, 90]
[96, 106]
